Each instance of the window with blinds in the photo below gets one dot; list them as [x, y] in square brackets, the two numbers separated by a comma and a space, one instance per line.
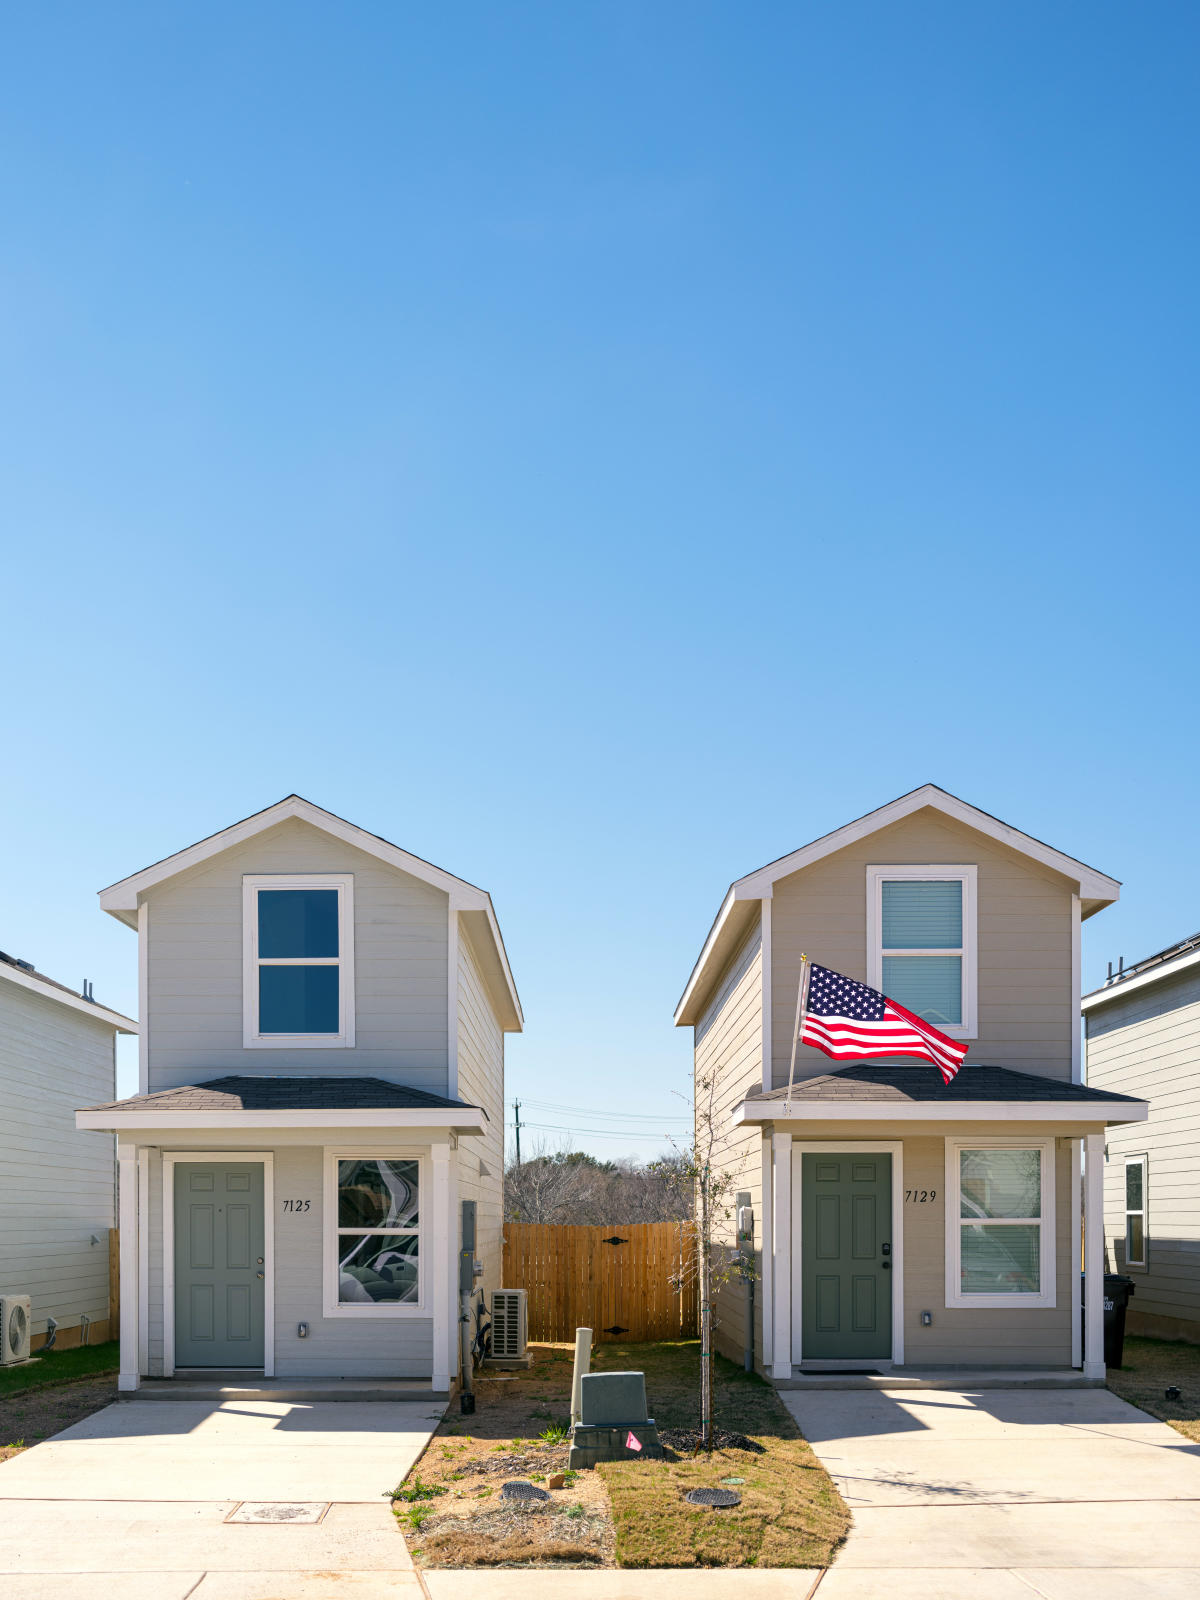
[922, 941]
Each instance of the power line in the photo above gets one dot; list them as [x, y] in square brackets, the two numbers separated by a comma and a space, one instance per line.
[607, 1116]
[609, 1133]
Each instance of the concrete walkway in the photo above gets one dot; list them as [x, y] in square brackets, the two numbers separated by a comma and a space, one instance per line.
[1006, 1494]
[133, 1503]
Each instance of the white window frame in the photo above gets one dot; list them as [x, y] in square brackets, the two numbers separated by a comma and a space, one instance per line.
[1142, 1161]
[331, 1233]
[967, 875]
[1048, 1257]
[343, 1039]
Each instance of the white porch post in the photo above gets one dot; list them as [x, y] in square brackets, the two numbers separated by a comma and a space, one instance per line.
[1093, 1258]
[445, 1282]
[781, 1262]
[128, 1377]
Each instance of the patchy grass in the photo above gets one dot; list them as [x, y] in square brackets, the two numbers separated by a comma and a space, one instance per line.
[1151, 1367]
[791, 1514]
[26, 1419]
[60, 1366]
[624, 1513]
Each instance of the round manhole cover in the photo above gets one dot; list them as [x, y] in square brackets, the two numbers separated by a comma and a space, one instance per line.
[519, 1490]
[712, 1497]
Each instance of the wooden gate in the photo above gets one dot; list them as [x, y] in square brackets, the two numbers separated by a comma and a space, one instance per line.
[614, 1280]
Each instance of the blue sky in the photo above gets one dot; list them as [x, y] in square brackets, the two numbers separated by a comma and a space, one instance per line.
[599, 447]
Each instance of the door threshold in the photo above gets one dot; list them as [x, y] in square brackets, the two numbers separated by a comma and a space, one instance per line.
[868, 1365]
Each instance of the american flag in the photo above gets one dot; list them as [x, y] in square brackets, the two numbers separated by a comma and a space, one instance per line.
[847, 1021]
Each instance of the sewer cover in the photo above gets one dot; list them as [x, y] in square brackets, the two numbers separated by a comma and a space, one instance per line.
[712, 1497]
[279, 1511]
[518, 1489]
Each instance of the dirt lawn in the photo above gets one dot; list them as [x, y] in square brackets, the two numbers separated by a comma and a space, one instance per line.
[628, 1514]
[26, 1419]
[1151, 1367]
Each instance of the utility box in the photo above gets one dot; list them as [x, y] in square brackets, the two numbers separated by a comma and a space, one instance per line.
[612, 1412]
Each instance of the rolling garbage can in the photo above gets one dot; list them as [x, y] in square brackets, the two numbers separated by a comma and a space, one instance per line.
[1118, 1290]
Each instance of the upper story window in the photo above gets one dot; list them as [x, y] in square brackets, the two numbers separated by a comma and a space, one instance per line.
[921, 942]
[298, 961]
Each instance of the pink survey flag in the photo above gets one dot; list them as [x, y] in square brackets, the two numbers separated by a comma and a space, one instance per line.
[632, 1444]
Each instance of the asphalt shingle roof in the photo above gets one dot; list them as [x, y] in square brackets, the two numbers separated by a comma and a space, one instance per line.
[287, 1094]
[889, 1084]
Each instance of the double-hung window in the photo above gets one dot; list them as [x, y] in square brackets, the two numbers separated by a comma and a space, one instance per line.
[1136, 1242]
[298, 961]
[1000, 1222]
[372, 1235]
[921, 942]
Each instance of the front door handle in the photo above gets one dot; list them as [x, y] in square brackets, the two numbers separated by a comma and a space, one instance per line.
[886, 1265]
[258, 1274]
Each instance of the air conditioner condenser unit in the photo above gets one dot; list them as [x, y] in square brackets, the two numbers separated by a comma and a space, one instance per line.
[15, 1315]
[510, 1329]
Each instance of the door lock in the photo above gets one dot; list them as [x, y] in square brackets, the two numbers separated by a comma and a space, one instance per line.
[258, 1274]
[886, 1265]
[886, 1248]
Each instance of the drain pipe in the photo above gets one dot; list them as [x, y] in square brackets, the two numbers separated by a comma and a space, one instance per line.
[469, 1269]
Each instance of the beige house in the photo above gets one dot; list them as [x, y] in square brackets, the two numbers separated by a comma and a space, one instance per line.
[322, 1086]
[900, 1223]
[1143, 1038]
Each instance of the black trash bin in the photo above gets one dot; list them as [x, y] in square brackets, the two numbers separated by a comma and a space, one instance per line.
[1118, 1290]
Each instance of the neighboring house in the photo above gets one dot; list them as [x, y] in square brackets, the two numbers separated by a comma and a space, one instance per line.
[1143, 1037]
[57, 1185]
[899, 1221]
[322, 1083]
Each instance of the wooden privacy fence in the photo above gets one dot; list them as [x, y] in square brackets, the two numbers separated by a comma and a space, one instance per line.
[614, 1280]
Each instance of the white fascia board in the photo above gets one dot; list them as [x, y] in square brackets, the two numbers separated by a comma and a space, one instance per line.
[1092, 885]
[935, 1111]
[723, 937]
[88, 1008]
[1143, 980]
[470, 1120]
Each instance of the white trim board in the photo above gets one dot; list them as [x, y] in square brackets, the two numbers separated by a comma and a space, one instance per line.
[169, 1161]
[467, 1120]
[892, 1147]
[1046, 1297]
[75, 1002]
[804, 1111]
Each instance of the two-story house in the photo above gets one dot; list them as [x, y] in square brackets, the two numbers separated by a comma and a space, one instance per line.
[1143, 1037]
[322, 1082]
[901, 1222]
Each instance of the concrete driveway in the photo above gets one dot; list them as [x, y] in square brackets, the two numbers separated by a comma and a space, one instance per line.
[134, 1503]
[1002, 1494]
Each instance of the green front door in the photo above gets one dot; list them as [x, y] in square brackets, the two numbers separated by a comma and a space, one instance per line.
[846, 1256]
[219, 1280]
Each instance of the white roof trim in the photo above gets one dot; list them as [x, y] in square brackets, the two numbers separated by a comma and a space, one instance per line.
[120, 899]
[940, 1111]
[1114, 990]
[89, 1008]
[467, 1119]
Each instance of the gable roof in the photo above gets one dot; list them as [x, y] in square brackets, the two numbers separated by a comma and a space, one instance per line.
[738, 909]
[26, 976]
[120, 899]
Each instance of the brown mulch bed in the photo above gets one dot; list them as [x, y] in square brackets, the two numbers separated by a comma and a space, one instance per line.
[26, 1419]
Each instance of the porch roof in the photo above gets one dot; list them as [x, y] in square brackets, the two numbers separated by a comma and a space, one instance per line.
[881, 1090]
[264, 1102]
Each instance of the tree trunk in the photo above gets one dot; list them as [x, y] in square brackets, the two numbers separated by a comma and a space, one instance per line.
[706, 1354]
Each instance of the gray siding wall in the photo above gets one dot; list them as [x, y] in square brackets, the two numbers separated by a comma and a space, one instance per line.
[729, 1047]
[1148, 1044]
[374, 1347]
[1026, 998]
[194, 1010]
[481, 1083]
[57, 1185]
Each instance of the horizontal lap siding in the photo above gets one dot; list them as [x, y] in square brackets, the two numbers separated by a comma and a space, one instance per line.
[481, 1083]
[1024, 953]
[729, 1044]
[57, 1185]
[195, 968]
[1147, 1043]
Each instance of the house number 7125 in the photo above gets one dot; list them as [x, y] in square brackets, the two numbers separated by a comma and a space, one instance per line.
[296, 1205]
[918, 1197]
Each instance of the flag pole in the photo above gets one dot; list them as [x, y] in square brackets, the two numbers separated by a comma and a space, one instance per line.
[801, 1007]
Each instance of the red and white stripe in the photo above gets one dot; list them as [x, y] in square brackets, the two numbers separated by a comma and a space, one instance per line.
[899, 1033]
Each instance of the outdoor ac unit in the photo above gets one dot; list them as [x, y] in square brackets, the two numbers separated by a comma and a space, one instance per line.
[14, 1320]
[510, 1324]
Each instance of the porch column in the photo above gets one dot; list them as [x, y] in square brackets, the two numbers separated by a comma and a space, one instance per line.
[781, 1260]
[444, 1266]
[1093, 1258]
[128, 1377]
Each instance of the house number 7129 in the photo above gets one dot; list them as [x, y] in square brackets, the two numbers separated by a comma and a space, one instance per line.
[296, 1205]
[918, 1197]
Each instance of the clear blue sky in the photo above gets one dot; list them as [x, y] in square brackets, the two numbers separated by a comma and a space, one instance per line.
[599, 447]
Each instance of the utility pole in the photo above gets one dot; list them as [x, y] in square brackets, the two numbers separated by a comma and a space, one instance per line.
[517, 1114]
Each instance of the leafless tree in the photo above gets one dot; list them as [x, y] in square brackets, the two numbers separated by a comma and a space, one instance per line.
[567, 1185]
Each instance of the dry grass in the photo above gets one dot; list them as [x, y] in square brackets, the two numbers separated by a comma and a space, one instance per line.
[26, 1419]
[624, 1513]
[1151, 1367]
